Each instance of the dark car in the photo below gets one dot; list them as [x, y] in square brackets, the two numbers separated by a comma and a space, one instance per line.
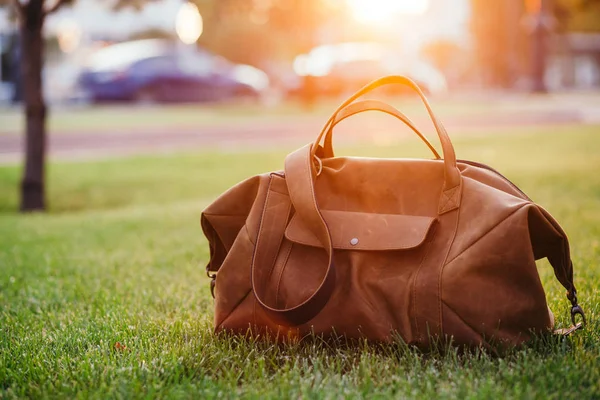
[162, 71]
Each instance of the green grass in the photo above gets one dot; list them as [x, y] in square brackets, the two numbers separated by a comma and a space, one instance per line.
[119, 259]
[134, 119]
[140, 119]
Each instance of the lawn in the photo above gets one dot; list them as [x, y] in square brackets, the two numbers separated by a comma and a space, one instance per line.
[105, 296]
[143, 118]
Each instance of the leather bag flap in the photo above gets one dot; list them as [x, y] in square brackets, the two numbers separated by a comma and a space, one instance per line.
[365, 231]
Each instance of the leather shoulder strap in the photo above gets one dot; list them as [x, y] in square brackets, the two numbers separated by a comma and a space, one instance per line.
[298, 178]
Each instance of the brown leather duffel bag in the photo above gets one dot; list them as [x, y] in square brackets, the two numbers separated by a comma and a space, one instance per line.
[361, 247]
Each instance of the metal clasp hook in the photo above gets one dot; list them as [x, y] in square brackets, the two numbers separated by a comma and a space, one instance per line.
[319, 165]
[213, 281]
[577, 310]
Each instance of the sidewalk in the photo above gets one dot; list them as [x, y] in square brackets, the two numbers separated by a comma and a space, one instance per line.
[300, 129]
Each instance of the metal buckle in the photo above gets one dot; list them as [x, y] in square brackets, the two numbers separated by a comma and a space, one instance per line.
[213, 281]
[319, 163]
[577, 310]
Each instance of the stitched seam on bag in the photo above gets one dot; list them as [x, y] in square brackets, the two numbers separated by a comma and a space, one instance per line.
[285, 261]
[254, 311]
[453, 199]
[233, 309]
[249, 237]
[211, 245]
[481, 338]
[274, 261]
[568, 275]
[446, 199]
[486, 233]
[346, 247]
[324, 224]
[314, 199]
[449, 196]
[455, 196]
[441, 315]
[255, 250]
[414, 290]
[300, 241]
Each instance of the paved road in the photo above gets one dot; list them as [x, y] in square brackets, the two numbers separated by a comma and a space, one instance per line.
[291, 132]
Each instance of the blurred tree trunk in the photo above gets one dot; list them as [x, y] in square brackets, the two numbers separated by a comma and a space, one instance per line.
[493, 25]
[539, 56]
[32, 14]
[33, 182]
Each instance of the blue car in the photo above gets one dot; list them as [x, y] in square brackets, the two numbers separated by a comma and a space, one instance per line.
[154, 70]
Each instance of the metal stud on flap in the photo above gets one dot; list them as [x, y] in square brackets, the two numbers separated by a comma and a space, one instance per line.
[354, 241]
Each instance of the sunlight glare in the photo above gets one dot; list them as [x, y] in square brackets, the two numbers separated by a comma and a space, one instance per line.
[380, 11]
[188, 23]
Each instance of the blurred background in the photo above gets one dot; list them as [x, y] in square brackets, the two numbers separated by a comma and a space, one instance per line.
[270, 51]
[123, 119]
[146, 76]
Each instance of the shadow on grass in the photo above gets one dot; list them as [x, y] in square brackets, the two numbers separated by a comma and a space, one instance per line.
[341, 355]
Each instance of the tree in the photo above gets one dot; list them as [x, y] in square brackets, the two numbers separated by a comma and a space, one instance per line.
[499, 40]
[31, 15]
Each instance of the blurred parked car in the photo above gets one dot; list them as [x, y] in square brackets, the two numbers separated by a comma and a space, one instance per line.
[157, 70]
[332, 70]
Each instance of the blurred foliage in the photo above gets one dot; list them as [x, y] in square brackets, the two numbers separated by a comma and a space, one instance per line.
[449, 57]
[251, 31]
[577, 15]
[502, 33]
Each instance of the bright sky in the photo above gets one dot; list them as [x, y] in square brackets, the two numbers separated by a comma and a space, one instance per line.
[383, 11]
[428, 17]
[442, 18]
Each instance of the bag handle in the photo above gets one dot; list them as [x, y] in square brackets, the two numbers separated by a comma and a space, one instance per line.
[300, 175]
[370, 105]
[452, 180]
